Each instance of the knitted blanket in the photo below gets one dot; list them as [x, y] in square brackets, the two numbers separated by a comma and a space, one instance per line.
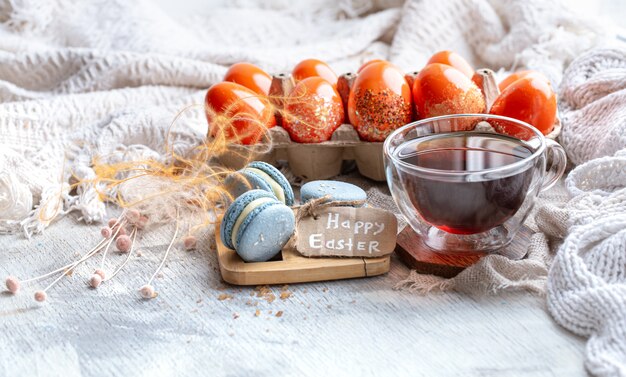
[85, 79]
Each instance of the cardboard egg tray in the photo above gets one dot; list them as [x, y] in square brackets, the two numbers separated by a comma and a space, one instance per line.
[324, 160]
[315, 161]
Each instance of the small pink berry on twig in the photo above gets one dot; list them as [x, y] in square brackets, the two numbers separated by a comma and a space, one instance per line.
[142, 222]
[13, 284]
[100, 273]
[41, 296]
[133, 216]
[121, 232]
[123, 243]
[95, 281]
[190, 242]
[106, 232]
[147, 292]
[112, 222]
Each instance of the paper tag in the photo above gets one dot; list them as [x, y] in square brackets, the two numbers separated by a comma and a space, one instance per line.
[347, 232]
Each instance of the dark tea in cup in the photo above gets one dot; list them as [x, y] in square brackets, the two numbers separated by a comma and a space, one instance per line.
[467, 182]
[473, 203]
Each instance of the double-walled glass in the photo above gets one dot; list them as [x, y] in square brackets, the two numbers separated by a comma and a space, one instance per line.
[466, 183]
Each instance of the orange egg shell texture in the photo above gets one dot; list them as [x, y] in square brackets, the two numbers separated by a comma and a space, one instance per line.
[314, 68]
[529, 99]
[237, 114]
[313, 111]
[250, 76]
[379, 102]
[368, 63]
[442, 90]
[453, 60]
[519, 75]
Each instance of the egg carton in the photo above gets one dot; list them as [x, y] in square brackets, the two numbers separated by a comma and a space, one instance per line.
[324, 160]
[314, 161]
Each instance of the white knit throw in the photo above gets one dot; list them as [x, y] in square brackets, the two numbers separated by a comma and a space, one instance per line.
[587, 280]
[79, 79]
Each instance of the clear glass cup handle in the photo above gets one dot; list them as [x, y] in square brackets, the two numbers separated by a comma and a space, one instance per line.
[558, 163]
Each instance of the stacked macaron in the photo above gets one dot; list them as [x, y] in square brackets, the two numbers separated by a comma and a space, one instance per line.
[259, 222]
[338, 191]
[262, 176]
[257, 226]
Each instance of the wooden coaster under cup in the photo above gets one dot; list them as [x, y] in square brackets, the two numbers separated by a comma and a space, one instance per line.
[416, 255]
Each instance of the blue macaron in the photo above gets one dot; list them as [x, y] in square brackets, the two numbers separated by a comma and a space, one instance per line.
[257, 226]
[338, 191]
[263, 176]
[242, 181]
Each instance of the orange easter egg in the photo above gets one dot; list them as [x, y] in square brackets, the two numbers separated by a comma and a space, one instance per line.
[250, 76]
[442, 90]
[314, 68]
[313, 111]
[510, 79]
[237, 113]
[379, 102]
[453, 60]
[368, 63]
[529, 99]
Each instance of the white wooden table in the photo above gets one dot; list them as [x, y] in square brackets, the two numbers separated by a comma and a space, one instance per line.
[354, 327]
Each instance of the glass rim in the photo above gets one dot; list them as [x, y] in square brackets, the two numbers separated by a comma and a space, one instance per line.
[507, 167]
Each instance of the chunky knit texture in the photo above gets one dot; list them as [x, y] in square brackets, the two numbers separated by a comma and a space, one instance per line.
[587, 280]
[593, 103]
[80, 79]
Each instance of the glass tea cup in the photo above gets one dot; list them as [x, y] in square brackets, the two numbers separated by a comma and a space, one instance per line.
[467, 182]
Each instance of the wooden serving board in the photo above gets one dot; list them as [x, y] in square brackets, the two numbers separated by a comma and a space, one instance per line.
[292, 267]
[416, 255]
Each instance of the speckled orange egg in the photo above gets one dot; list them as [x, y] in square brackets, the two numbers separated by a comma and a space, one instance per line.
[529, 99]
[313, 111]
[314, 68]
[442, 90]
[250, 76]
[379, 102]
[453, 60]
[237, 114]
